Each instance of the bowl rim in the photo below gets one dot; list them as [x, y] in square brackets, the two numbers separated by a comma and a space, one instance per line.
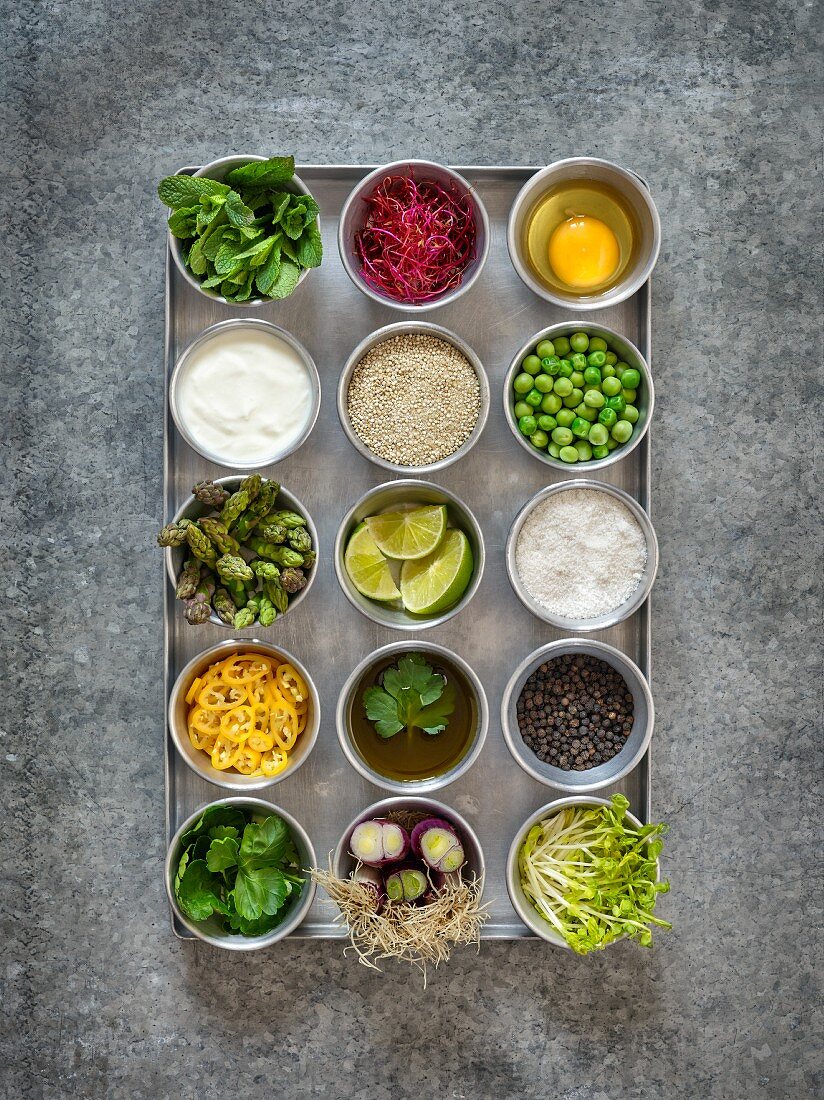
[423, 786]
[414, 802]
[235, 160]
[400, 486]
[379, 336]
[591, 328]
[523, 755]
[256, 324]
[526, 913]
[607, 299]
[243, 943]
[610, 618]
[206, 771]
[295, 503]
[364, 184]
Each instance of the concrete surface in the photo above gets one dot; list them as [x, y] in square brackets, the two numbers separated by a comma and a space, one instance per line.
[716, 105]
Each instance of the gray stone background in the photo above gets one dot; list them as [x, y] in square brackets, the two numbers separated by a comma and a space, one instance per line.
[715, 104]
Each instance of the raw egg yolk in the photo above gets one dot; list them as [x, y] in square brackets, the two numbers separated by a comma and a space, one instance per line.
[583, 252]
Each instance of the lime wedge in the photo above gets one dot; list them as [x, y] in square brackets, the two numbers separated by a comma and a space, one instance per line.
[368, 569]
[434, 583]
[409, 535]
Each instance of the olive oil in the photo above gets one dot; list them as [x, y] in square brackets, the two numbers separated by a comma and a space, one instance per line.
[590, 232]
[413, 754]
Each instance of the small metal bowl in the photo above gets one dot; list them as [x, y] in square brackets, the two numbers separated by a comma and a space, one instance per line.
[402, 328]
[382, 499]
[193, 509]
[631, 188]
[628, 353]
[594, 779]
[610, 618]
[520, 903]
[218, 170]
[352, 218]
[209, 930]
[198, 761]
[422, 786]
[238, 324]
[344, 863]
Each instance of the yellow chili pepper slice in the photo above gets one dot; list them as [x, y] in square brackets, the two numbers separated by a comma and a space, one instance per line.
[202, 740]
[247, 760]
[290, 684]
[221, 697]
[273, 762]
[193, 690]
[241, 668]
[224, 753]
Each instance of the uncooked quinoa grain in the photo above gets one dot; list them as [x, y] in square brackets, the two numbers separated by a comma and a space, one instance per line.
[414, 399]
[581, 553]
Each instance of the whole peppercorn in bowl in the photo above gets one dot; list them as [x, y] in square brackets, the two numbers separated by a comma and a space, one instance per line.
[577, 715]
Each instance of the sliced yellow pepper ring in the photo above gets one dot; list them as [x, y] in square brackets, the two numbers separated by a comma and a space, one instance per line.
[242, 668]
[207, 721]
[202, 740]
[193, 690]
[221, 697]
[237, 724]
[246, 761]
[259, 741]
[290, 684]
[224, 753]
[273, 762]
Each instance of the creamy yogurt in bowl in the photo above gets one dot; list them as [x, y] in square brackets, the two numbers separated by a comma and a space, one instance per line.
[245, 393]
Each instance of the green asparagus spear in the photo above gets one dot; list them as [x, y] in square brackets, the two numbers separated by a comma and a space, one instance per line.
[237, 591]
[189, 579]
[309, 559]
[287, 519]
[207, 492]
[200, 545]
[300, 539]
[274, 532]
[266, 570]
[234, 507]
[244, 617]
[267, 612]
[230, 567]
[224, 606]
[246, 525]
[273, 592]
[251, 485]
[223, 542]
[281, 555]
[292, 580]
[266, 498]
[173, 534]
[199, 607]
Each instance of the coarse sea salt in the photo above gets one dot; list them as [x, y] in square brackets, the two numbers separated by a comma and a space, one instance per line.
[580, 553]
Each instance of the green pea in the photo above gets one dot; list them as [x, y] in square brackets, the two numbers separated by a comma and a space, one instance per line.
[586, 411]
[539, 439]
[622, 431]
[620, 367]
[527, 425]
[607, 371]
[568, 454]
[579, 341]
[565, 417]
[612, 358]
[629, 395]
[551, 403]
[545, 349]
[561, 345]
[595, 399]
[543, 383]
[597, 343]
[522, 409]
[596, 358]
[580, 427]
[611, 386]
[562, 436]
[600, 452]
[618, 403]
[631, 414]
[522, 383]
[531, 365]
[584, 450]
[630, 379]
[608, 417]
[598, 435]
[612, 444]
[574, 399]
[547, 423]
[563, 387]
[566, 368]
[554, 450]
[592, 376]
[579, 361]
[550, 365]
[534, 398]
[577, 378]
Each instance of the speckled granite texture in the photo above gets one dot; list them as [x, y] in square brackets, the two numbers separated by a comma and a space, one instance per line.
[715, 104]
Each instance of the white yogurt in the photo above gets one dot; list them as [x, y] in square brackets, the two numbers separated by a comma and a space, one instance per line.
[244, 396]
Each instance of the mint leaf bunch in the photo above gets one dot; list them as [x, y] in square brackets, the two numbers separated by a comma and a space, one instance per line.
[238, 868]
[412, 696]
[247, 236]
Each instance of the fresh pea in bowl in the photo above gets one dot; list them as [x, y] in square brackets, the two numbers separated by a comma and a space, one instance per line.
[566, 401]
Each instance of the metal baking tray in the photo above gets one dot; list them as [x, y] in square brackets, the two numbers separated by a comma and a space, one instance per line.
[330, 316]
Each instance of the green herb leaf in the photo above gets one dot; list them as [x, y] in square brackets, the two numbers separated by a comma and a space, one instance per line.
[413, 695]
[259, 890]
[382, 709]
[197, 892]
[237, 210]
[292, 223]
[263, 173]
[267, 275]
[434, 718]
[212, 817]
[222, 854]
[280, 203]
[310, 247]
[286, 281]
[183, 222]
[178, 191]
[264, 843]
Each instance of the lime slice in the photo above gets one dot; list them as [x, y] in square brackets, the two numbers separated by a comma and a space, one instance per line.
[368, 569]
[434, 583]
[409, 535]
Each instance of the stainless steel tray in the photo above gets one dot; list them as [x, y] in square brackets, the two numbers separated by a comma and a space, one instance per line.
[494, 632]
